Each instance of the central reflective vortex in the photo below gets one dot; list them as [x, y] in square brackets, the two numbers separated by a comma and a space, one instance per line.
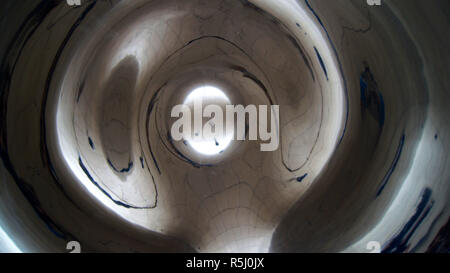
[201, 98]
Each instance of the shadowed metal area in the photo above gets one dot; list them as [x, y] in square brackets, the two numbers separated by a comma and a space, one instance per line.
[87, 153]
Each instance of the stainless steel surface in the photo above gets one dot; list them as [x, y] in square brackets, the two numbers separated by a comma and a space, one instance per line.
[86, 93]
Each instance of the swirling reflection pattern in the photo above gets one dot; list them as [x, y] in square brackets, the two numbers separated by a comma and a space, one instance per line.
[87, 153]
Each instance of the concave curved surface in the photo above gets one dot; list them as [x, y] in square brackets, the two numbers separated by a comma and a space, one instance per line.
[87, 153]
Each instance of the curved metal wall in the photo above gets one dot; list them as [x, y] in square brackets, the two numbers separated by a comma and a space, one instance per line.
[87, 154]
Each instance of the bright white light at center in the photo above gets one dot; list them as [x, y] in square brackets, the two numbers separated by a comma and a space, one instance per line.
[209, 95]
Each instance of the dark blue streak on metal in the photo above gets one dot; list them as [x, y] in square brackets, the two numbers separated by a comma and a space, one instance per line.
[142, 162]
[300, 178]
[394, 163]
[371, 97]
[124, 170]
[322, 64]
[430, 229]
[120, 203]
[91, 143]
[81, 89]
[340, 68]
[400, 243]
